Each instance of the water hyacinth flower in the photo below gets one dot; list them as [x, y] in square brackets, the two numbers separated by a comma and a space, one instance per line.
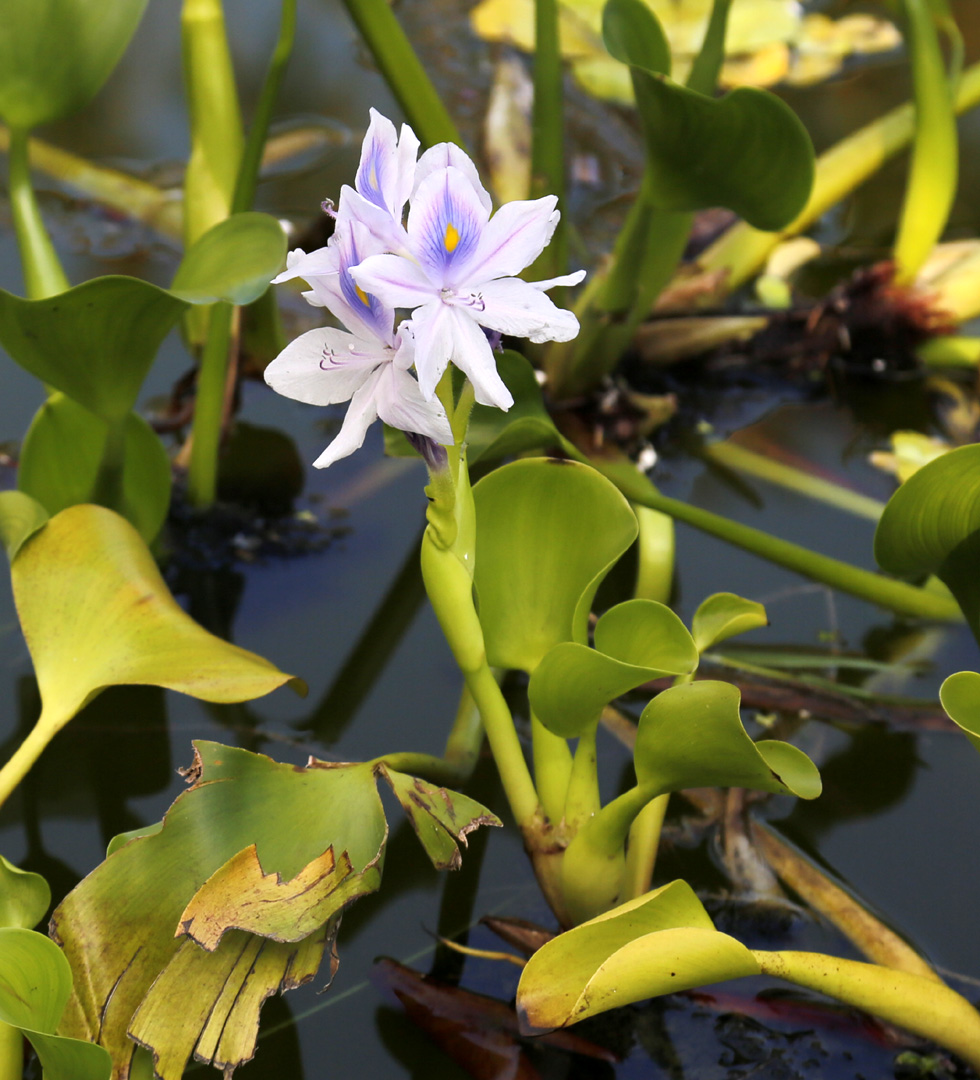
[453, 265]
[460, 279]
[368, 366]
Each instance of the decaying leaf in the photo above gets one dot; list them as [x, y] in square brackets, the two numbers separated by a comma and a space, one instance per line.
[177, 939]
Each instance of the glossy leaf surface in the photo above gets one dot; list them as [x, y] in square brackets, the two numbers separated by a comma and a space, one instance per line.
[724, 615]
[659, 943]
[61, 454]
[218, 901]
[548, 531]
[746, 151]
[233, 261]
[24, 896]
[635, 642]
[960, 695]
[692, 736]
[56, 54]
[95, 342]
[96, 613]
[35, 981]
[931, 514]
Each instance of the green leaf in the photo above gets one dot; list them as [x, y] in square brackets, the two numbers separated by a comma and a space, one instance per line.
[931, 514]
[95, 613]
[56, 54]
[960, 697]
[441, 819]
[724, 615]
[692, 736]
[233, 261]
[633, 35]
[240, 884]
[62, 452]
[35, 981]
[24, 896]
[95, 342]
[20, 518]
[659, 943]
[931, 525]
[548, 531]
[494, 434]
[747, 151]
[635, 642]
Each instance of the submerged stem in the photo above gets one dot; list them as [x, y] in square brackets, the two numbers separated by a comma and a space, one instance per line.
[202, 477]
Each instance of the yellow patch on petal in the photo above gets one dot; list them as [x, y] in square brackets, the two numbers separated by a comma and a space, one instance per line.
[362, 296]
[451, 239]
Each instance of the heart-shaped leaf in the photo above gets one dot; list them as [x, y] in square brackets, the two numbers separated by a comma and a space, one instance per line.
[61, 454]
[95, 342]
[56, 54]
[960, 695]
[228, 902]
[635, 642]
[233, 261]
[692, 736]
[724, 615]
[96, 613]
[24, 896]
[548, 531]
[35, 981]
[659, 943]
[747, 151]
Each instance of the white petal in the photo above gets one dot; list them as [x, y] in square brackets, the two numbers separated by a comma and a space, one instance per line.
[473, 356]
[445, 154]
[320, 368]
[518, 308]
[386, 170]
[554, 282]
[388, 232]
[395, 281]
[308, 265]
[445, 226]
[514, 238]
[360, 416]
[400, 404]
[432, 327]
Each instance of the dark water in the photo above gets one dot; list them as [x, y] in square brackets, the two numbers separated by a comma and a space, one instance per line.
[902, 817]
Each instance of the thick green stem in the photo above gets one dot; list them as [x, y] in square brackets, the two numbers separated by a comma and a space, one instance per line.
[251, 159]
[202, 477]
[935, 162]
[552, 768]
[403, 71]
[916, 1004]
[641, 851]
[108, 489]
[582, 801]
[743, 250]
[43, 275]
[889, 593]
[11, 1052]
[23, 758]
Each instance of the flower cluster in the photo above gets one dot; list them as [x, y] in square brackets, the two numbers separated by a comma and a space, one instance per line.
[451, 264]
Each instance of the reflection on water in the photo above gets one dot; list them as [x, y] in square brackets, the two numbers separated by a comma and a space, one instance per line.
[900, 810]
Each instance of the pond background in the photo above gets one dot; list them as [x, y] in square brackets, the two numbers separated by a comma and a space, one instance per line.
[900, 819]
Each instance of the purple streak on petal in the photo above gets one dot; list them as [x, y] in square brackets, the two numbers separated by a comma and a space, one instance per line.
[366, 307]
[446, 223]
[494, 337]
